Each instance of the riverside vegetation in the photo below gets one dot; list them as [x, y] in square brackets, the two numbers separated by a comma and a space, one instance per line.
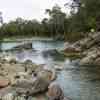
[83, 18]
[22, 81]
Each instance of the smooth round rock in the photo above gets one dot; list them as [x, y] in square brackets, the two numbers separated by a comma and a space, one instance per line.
[55, 92]
[4, 83]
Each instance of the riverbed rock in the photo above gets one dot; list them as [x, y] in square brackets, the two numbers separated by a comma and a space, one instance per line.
[71, 48]
[29, 86]
[86, 61]
[55, 92]
[97, 61]
[52, 52]
[30, 66]
[93, 39]
[4, 83]
[48, 75]
[13, 61]
[8, 57]
[58, 67]
[3, 61]
[28, 61]
[87, 49]
[22, 46]
[91, 56]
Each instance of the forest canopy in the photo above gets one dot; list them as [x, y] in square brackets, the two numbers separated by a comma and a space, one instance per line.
[84, 17]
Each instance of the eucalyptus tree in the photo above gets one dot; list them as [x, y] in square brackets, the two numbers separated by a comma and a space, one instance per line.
[85, 15]
[1, 18]
[56, 20]
[46, 27]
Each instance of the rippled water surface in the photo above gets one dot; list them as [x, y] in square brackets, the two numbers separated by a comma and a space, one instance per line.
[78, 82]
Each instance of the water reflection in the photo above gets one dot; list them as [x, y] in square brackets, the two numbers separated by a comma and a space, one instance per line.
[80, 82]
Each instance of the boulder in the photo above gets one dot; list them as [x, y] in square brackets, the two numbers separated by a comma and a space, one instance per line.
[55, 92]
[86, 61]
[91, 56]
[89, 41]
[57, 67]
[3, 61]
[29, 86]
[97, 61]
[30, 66]
[13, 61]
[23, 46]
[28, 62]
[71, 48]
[4, 83]
[52, 52]
[21, 75]
[48, 75]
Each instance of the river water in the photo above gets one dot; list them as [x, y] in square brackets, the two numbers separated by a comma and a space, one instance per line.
[78, 82]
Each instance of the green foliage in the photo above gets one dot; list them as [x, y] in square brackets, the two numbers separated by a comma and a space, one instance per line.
[84, 17]
[87, 16]
[50, 27]
[57, 20]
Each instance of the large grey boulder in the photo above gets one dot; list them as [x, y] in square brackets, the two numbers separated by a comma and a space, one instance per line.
[55, 92]
[30, 87]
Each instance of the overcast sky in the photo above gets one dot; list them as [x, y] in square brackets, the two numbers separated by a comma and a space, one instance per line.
[27, 9]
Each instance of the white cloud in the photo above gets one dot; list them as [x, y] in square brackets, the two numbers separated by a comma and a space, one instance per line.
[28, 9]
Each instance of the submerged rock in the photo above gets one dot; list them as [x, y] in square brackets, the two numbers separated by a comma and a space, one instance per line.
[23, 46]
[52, 52]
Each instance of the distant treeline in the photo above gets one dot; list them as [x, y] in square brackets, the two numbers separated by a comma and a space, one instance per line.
[84, 17]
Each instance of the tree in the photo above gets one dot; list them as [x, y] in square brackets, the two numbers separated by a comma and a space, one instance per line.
[89, 11]
[56, 20]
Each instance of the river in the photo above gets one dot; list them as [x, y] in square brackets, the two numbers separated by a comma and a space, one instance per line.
[78, 82]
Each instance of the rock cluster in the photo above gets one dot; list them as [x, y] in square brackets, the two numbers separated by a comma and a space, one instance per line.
[71, 48]
[19, 81]
[89, 48]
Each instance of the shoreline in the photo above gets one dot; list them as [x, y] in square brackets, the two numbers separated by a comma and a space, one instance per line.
[17, 39]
